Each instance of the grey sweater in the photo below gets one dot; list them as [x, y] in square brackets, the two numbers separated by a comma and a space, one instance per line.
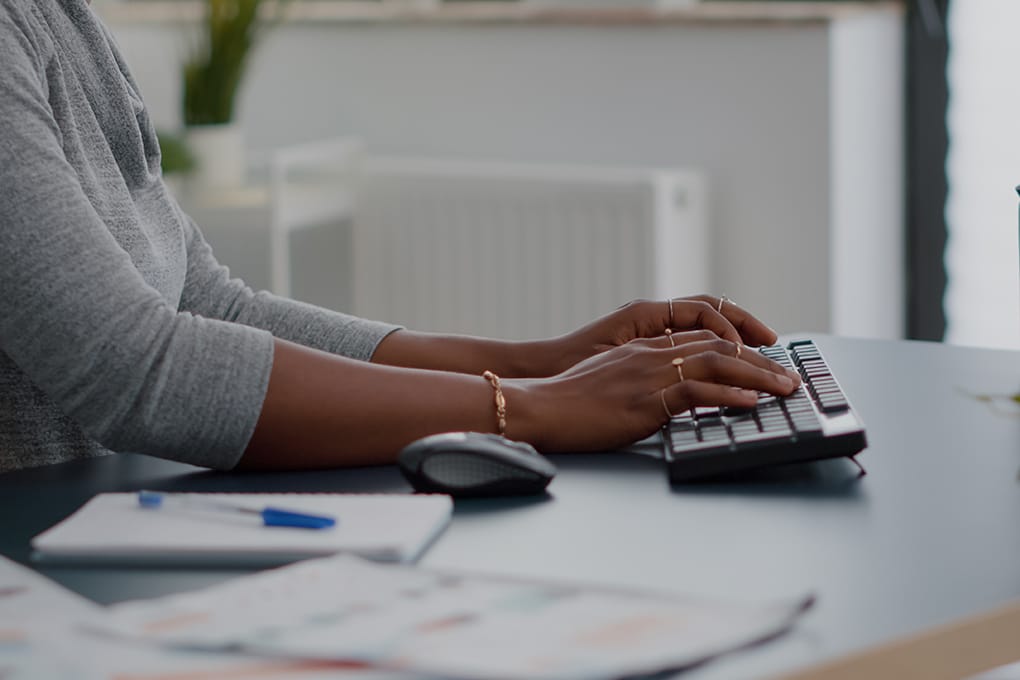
[119, 331]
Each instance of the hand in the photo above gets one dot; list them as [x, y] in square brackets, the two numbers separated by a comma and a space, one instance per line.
[651, 319]
[626, 393]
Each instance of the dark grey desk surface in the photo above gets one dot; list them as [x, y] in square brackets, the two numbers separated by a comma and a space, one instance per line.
[929, 535]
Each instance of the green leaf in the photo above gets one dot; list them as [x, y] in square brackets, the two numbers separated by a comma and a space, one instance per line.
[214, 70]
[175, 156]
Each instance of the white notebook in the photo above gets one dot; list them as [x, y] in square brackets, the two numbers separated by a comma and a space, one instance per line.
[113, 528]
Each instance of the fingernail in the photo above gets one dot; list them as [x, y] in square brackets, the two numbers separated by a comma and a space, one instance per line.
[786, 381]
[748, 393]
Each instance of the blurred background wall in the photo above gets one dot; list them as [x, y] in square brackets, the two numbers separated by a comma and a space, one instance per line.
[796, 124]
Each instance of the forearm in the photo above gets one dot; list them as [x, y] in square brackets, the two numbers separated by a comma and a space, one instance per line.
[466, 354]
[323, 410]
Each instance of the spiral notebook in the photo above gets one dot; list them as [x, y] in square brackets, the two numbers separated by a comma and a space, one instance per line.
[112, 528]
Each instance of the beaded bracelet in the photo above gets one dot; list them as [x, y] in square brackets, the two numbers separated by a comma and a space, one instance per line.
[499, 398]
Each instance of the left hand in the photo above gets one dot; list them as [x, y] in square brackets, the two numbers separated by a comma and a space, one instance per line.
[651, 318]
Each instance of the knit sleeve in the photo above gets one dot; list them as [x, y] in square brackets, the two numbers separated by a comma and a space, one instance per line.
[80, 321]
[210, 291]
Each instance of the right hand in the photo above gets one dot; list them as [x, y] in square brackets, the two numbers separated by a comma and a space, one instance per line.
[620, 396]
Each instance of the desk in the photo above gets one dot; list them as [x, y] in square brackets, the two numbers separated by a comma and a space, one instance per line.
[928, 536]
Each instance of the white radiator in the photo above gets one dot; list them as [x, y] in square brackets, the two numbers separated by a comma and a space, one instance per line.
[521, 251]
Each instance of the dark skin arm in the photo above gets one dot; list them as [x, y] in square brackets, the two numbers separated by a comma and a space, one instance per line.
[544, 358]
[600, 387]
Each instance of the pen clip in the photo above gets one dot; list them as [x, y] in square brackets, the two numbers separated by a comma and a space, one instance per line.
[271, 517]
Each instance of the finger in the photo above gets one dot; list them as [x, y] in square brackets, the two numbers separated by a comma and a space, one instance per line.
[736, 350]
[753, 356]
[681, 339]
[690, 393]
[671, 339]
[666, 341]
[689, 313]
[753, 331]
[728, 370]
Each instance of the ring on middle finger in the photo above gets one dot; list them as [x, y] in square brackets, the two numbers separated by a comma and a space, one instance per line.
[679, 363]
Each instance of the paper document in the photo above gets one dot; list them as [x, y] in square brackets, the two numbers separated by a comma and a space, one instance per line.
[114, 528]
[43, 636]
[443, 623]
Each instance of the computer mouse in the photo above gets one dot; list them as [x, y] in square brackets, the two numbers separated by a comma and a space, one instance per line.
[472, 464]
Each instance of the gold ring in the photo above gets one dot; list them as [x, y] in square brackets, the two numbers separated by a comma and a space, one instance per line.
[670, 303]
[662, 397]
[723, 300]
[679, 363]
[669, 334]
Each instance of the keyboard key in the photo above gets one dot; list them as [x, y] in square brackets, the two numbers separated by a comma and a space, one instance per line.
[759, 438]
[778, 426]
[736, 411]
[740, 428]
[834, 403]
[798, 401]
[779, 355]
[683, 436]
[713, 430]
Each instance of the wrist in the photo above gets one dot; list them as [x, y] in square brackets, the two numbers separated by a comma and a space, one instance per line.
[526, 418]
[544, 358]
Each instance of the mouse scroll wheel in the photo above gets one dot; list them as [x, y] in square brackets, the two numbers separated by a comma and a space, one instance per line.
[460, 470]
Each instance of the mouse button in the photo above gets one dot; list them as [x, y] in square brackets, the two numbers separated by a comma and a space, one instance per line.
[523, 447]
[462, 470]
[543, 465]
[434, 441]
[410, 458]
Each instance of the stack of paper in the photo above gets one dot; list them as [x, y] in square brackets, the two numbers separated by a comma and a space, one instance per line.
[407, 619]
[45, 635]
[342, 615]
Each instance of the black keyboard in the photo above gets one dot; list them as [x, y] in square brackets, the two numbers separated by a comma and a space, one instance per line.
[814, 422]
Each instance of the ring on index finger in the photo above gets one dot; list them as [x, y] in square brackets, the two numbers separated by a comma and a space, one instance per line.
[723, 300]
[669, 334]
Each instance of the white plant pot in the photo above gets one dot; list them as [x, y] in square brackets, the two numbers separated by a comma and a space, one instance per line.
[219, 155]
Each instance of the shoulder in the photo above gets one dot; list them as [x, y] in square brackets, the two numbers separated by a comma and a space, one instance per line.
[24, 31]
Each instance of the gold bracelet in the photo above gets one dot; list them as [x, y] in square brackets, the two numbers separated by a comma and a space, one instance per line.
[500, 399]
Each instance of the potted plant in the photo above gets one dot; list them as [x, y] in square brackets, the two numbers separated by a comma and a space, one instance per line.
[212, 75]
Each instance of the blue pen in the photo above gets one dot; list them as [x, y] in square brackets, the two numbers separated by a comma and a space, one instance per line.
[271, 517]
